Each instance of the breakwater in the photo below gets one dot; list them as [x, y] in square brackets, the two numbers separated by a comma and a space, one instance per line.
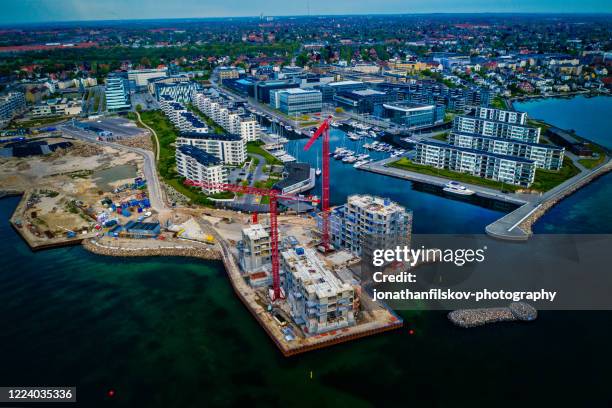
[517, 311]
[173, 249]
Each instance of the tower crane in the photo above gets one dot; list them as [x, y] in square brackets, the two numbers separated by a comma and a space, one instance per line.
[323, 130]
[274, 196]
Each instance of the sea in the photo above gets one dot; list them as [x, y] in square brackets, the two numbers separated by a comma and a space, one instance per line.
[169, 332]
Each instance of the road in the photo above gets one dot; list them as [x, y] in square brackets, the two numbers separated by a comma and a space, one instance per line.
[149, 169]
[154, 135]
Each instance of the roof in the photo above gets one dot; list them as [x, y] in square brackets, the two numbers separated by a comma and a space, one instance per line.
[565, 135]
[296, 173]
[345, 83]
[475, 151]
[368, 92]
[201, 156]
[211, 136]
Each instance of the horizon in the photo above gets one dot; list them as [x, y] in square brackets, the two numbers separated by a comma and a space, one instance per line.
[190, 19]
[32, 12]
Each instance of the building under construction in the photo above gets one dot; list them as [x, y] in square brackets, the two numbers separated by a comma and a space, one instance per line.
[366, 223]
[318, 300]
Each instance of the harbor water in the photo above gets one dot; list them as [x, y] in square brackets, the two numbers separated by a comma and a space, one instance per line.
[169, 332]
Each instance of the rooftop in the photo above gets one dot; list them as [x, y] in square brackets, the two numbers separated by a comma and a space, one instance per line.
[375, 204]
[211, 136]
[202, 157]
[312, 273]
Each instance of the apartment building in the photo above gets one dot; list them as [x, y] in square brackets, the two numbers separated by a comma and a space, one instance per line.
[181, 117]
[508, 169]
[229, 149]
[117, 93]
[500, 115]
[545, 156]
[195, 164]
[232, 119]
[52, 107]
[318, 300]
[366, 222]
[496, 128]
[11, 105]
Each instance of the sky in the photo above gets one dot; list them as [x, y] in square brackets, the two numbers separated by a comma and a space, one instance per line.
[34, 11]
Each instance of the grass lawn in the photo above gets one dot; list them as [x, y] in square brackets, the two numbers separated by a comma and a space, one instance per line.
[211, 123]
[547, 179]
[544, 179]
[498, 103]
[443, 137]
[406, 164]
[255, 147]
[167, 161]
[37, 122]
[592, 162]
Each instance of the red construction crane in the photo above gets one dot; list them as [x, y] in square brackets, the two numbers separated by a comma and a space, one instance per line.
[323, 130]
[274, 196]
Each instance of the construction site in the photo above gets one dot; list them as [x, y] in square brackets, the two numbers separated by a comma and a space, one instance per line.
[304, 291]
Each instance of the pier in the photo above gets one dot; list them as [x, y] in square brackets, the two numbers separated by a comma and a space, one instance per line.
[516, 225]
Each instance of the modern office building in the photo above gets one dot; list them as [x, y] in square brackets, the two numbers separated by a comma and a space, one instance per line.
[495, 128]
[230, 149]
[411, 115]
[297, 178]
[254, 250]
[507, 169]
[140, 77]
[545, 156]
[295, 101]
[117, 93]
[11, 105]
[364, 100]
[195, 164]
[318, 300]
[263, 88]
[367, 222]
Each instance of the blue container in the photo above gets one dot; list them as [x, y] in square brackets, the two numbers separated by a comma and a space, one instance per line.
[113, 207]
[146, 203]
[299, 250]
[110, 223]
[139, 209]
[126, 213]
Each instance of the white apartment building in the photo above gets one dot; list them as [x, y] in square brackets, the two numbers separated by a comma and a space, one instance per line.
[495, 128]
[229, 149]
[365, 218]
[519, 118]
[319, 301]
[234, 120]
[197, 165]
[54, 107]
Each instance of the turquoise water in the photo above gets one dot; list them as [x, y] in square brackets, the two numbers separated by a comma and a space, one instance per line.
[588, 210]
[169, 332]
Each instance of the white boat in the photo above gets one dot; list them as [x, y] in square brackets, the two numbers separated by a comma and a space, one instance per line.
[454, 187]
[318, 172]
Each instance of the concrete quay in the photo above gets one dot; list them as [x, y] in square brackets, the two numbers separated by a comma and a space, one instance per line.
[517, 311]
[380, 167]
[516, 225]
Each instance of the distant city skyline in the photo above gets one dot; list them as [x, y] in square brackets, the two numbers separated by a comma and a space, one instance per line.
[38, 11]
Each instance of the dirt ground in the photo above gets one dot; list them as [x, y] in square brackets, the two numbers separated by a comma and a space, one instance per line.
[60, 187]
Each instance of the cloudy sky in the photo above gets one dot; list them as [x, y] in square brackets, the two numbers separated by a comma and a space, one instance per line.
[23, 11]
